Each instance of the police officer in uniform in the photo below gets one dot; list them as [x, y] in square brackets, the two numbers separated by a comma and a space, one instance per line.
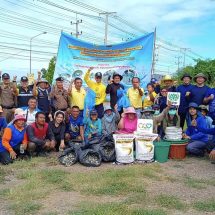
[25, 92]
[8, 93]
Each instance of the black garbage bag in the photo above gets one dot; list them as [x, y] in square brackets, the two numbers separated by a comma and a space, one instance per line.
[89, 157]
[107, 150]
[68, 157]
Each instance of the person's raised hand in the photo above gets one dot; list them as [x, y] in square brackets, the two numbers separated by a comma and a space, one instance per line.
[212, 155]
[91, 68]
[187, 93]
[194, 123]
[211, 96]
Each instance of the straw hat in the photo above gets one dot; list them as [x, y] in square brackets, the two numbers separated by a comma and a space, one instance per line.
[166, 78]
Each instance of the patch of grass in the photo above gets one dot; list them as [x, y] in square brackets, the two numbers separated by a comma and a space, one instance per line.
[148, 212]
[53, 176]
[206, 206]
[101, 209]
[170, 202]
[137, 198]
[2, 174]
[195, 183]
[27, 207]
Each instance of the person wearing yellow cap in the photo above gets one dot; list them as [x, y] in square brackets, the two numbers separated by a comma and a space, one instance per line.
[168, 83]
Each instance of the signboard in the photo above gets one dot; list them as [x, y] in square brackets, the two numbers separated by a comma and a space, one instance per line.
[174, 98]
[133, 58]
[145, 125]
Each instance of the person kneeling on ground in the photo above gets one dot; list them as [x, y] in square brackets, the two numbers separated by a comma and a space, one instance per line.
[93, 127]
[110, 120]
[40, 137]
[75, 126]
[211, 143]
[57, 127]
[128, 122]
[14, 140]
[197, 140]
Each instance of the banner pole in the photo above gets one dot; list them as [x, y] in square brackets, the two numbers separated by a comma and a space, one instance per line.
[153, 56]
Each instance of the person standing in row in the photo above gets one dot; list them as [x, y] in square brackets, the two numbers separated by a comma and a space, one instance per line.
[25, 92]
[184, 89]
[199, 91]
[42, 95]
[8, 93]
[77, 95]
[99, 88]
[112, 88]
[135, 94]
[59, 96]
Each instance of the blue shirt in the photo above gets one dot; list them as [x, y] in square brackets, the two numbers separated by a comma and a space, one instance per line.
[184, 101]
[3, 123]
[194, 133]
[93, 127]
[211, 103]
[198, 94]
[74, 126]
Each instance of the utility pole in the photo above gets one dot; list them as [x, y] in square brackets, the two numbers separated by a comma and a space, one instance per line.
[77, 33]
[178, 62]
[153, 54]
[106, 24]
[184, 50]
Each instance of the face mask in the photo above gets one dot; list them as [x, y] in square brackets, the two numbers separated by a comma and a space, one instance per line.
[157, 112]
[172, 112]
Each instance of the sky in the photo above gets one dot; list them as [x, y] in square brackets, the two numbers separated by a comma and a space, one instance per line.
[179, 24]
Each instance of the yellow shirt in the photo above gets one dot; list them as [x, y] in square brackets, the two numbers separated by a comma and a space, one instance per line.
[147, 102]
[98, 88]
[134, 97]
[77, 98]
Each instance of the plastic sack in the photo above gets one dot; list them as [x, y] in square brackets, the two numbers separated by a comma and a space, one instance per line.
[123, 101]
[144, 146]
[89, 101]
[124, 148]
[89, 157]
[68, 157]
[107, 149]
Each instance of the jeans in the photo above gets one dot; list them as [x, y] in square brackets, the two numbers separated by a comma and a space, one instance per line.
[196, 147]
[138, 112]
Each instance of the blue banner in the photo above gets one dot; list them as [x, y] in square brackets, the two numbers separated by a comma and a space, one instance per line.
[133, 58]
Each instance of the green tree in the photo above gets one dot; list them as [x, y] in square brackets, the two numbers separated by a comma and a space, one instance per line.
[206, 67]
[50, 71]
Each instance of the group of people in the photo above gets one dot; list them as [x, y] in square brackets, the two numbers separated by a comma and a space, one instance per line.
[39, 118]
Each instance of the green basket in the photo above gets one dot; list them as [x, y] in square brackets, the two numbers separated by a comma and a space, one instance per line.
[162, 151]
[177, 141]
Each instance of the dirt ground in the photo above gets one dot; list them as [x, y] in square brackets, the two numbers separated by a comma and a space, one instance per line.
[190, 180]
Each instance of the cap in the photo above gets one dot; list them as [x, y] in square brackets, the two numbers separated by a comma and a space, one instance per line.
[98, 74]
[148, 109]
[93, 112]
[203, 107]
[5, 76]
[154, 80]
[24, 78]
[42, 80]
[59, 79]
[193, 105]
[156, 107]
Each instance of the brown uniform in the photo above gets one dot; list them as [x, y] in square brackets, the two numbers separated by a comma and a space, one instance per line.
[60, 99]
[8, 101]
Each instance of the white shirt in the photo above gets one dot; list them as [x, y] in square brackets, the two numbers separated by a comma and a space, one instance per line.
[30, 116]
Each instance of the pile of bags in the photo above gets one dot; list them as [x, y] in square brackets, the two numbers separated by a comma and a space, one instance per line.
[91, 155]
[173, 133]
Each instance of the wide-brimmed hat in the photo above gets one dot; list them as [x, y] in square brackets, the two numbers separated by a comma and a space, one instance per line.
[19, 111]
[148, 109]
[117, 74]
[167, 78]
[19, 117]
[42, 80]
[129, 110]
[108, 107]
[186, 75]
[200, 75]
[203, 107]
